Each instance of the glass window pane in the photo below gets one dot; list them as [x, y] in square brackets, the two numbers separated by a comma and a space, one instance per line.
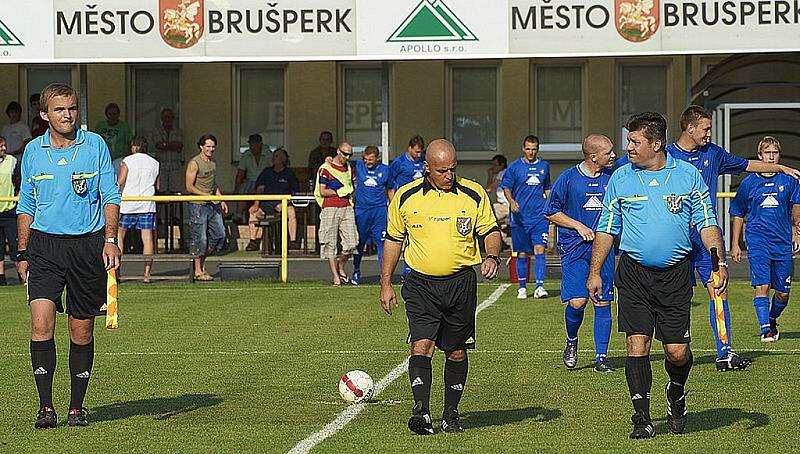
[156, 88]
[261, 106]
[363, 111]
[38, 78]
[558, 104]
[644, 89]
[474, 121]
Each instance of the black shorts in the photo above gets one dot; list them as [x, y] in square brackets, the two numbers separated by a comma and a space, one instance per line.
[442, 309]
[74, 261]
[657, 299]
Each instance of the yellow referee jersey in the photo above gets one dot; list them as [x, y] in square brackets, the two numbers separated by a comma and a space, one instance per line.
[442, 227]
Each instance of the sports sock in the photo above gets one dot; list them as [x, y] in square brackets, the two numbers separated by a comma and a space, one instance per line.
[455, 379]
[43, 364]
[419, 374]
[539, 268]
[777, 308]
[640, 379]
[573, 318]
[81, 358]
[722, 347]
[678, 375]
[761, 303]
[522, 271]
[380, 256]
[602, 329]
[357, 258]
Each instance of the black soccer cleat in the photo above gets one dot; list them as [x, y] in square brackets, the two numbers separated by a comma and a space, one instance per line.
[77, 417]
[732, 361]
[451, 422]
[676, 410]
[570, 355]
[602, 364]
[46, 418]
[420, 422]
[642, 427]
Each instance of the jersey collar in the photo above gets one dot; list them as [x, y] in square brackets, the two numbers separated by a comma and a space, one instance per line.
[80, 138]
[671, 164]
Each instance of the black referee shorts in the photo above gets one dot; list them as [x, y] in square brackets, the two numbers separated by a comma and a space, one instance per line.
[657, 299]
[74, 261]
[442, 308]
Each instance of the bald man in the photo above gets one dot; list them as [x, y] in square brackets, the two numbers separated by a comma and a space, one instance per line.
[443, 218]
[574, 206]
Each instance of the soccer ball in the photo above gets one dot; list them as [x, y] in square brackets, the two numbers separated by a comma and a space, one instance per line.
[356, 386]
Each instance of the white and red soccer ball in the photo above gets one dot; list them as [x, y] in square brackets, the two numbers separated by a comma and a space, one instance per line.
[356, 386]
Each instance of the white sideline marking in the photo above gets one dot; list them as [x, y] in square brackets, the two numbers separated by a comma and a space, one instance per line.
[167, 288]
[350, 412]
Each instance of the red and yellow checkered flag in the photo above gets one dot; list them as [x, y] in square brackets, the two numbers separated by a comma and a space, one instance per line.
[111, 301]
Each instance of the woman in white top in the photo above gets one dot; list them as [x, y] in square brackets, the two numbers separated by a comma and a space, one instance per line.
[138, 176]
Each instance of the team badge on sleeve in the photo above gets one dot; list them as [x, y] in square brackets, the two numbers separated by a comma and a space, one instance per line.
[464, 225]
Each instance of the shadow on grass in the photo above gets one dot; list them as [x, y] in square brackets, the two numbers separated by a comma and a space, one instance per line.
[717, 418]
[503, 417]
[161, 408]
[791, 335]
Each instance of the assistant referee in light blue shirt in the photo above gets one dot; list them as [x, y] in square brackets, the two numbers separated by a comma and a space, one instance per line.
[652, 203]
[67, 222]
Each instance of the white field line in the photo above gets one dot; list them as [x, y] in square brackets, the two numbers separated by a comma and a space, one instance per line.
[168, 288]
[351, 411]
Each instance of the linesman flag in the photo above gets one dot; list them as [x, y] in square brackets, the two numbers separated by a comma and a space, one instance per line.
[719, 312]
[111, 301]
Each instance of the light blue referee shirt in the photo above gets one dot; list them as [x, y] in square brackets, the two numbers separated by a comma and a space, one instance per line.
[656, 210]
[66, 189]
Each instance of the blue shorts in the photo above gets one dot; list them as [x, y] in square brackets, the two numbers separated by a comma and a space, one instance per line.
[371, 224]
[575, 271]
[141, 221]
[524, 237]
[776, 273]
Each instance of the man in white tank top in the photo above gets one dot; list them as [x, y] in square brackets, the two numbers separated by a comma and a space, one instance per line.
[138, 176]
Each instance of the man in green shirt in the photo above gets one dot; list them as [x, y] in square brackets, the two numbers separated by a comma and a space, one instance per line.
[117, 133]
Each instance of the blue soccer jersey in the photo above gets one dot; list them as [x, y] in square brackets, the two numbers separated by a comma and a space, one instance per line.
[371, 185]
[527, 183]
[766, 205]
[580, 197]
[404, 170]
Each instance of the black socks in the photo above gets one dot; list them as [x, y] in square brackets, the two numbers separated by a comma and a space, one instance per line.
[81, 358]
[640, 379]
[43, 364]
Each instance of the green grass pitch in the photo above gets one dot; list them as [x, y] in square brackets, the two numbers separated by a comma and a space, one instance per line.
[253, 367]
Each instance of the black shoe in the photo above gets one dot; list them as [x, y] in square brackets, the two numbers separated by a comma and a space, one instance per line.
[676, 411]
[77, 417]
[420, 422]
[642, 427]
[602, 364]
[46, 419]
[732, 361]
[451, 422]
[570, 355]
[252, 246]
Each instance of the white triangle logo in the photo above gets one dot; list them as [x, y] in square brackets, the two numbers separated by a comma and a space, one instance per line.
[84, 374]
[417, 174]
[40, 371]
[533, 180]
[62, 162]
[370, 182]
[770, 202]
[457, 387]
[653, 183]
[593, 204]
[636, 396]
[417, 381]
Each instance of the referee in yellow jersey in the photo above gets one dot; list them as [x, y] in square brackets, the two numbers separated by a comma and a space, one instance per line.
[443, 217]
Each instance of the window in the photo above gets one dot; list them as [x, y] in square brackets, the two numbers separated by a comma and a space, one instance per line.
[644, 89]
[363, 106]
[262, 107]
[38, 77]
[154, 88]
[559, 104]
[473, 112]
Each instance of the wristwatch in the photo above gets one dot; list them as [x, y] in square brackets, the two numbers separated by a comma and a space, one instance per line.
[21, 256]
[495, 258]
[112, 240]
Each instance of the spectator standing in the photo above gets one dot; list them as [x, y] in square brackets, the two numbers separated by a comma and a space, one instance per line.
[207, 230]
[167, 139]
[9, 187]
[278, 179]
[372, 187]
[116, 132]
[16, 131]
[494, 176]
[138, 177]
[333, 191]
[38, 124]
[251, 164]
[317, 156]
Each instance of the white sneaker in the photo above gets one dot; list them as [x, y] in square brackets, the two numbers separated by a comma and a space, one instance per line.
[522, 293]
[540, 292]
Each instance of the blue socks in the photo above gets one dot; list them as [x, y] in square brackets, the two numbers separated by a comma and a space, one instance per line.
[777, 307]
[539, 268]
[602, 329]
[761, 303]
[573, 318]
[357, 258]
[522, 271]
[722, 348]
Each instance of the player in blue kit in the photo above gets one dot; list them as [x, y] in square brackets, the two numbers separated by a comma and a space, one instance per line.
[526, 185]
[695, 147]
[767, 201]
[574, 205]
[405, 169]
[372, 185]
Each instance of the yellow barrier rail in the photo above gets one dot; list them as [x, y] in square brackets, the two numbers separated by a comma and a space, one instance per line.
[284, 199]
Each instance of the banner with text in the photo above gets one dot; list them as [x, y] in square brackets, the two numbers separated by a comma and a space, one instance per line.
[26, 31]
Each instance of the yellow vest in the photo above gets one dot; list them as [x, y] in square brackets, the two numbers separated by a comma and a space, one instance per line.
[6, 181]
[346, 178]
